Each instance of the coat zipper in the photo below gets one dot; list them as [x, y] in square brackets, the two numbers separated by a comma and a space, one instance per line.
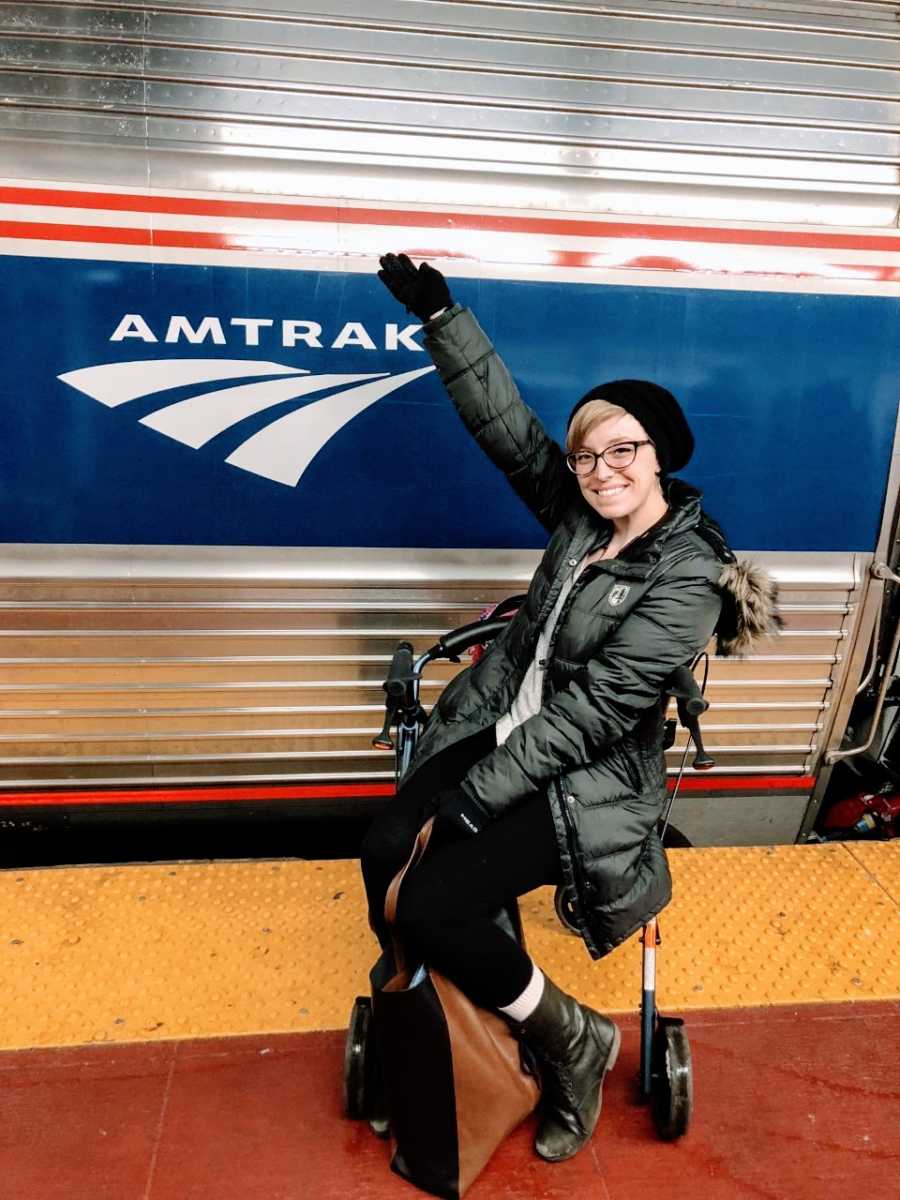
[586, 575]
[565, 799]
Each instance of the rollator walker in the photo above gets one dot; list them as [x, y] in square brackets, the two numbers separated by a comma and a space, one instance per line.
[665, 1078]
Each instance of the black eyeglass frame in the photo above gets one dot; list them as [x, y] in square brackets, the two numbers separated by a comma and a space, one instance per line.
[603, 453]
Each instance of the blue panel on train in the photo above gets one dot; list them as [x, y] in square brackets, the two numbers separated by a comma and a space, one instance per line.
[226, 406]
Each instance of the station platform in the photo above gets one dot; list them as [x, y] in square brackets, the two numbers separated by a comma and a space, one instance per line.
[175, 1031]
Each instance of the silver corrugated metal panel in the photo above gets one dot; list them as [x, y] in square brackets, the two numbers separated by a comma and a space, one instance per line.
[622, 106]
[120, 665]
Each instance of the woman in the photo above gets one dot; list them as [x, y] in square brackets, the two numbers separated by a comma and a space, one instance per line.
[544, 763]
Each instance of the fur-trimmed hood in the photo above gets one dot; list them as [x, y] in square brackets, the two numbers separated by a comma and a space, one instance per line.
[749, 608]
[749, 594]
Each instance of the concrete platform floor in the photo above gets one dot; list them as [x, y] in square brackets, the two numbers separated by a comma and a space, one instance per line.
[792, 1103]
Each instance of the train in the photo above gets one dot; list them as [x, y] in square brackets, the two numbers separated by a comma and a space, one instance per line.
[231, 480]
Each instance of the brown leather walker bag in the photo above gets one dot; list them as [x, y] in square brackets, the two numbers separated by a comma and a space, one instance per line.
[454, 1075]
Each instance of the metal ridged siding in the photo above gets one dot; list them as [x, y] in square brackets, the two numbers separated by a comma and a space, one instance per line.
[201, 679]
[660, 95]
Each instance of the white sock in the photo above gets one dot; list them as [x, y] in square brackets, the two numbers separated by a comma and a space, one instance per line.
[526, 1002]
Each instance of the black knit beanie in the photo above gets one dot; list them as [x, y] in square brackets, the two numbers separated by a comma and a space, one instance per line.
[657, 410]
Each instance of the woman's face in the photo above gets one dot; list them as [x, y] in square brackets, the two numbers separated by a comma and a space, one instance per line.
[616, 494]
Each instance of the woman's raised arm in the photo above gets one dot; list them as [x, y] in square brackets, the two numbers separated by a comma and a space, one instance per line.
[484, 392]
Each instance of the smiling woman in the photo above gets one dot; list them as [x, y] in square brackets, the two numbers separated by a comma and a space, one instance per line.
[622, 438]
[622, 485]
[544, 762]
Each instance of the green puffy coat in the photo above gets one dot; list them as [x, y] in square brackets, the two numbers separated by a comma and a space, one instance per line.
[596, 744]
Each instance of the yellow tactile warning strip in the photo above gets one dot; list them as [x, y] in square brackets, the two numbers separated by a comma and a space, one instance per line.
[137, 953]
[882, 861]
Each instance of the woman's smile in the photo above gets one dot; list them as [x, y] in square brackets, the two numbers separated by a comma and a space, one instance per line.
[604, 493]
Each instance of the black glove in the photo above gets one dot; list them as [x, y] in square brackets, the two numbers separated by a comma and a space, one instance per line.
[421, 291]
[457, 812]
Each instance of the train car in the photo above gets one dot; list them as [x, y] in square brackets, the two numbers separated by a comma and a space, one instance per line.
[230, 478]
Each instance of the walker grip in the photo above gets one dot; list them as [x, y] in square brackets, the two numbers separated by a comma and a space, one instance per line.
[400, 672]
[453, 644]
[684, 688]
[691, 704]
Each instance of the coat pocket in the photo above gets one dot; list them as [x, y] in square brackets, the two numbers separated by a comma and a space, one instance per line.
[614, 779]
[632, 764]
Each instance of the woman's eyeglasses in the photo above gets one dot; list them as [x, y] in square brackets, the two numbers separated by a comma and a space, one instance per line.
[618, 457]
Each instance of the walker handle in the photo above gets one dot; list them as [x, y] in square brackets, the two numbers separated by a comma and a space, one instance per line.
[684, 688]
[400, 672]
[452, 644]
[691, 704]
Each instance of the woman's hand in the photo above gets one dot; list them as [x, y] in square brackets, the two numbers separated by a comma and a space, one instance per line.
[457, 812]
[422, 291]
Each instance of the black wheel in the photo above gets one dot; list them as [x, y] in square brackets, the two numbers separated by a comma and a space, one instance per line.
[562, 902]
[672, 1095]
[359, 1061]
[674, 839]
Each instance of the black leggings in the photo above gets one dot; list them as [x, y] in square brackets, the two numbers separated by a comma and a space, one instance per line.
[447, 904]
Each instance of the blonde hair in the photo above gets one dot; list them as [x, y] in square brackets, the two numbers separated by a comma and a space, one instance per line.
[587, 417]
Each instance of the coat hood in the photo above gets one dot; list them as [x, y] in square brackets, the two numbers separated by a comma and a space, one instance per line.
[749, 594]
[749, 608]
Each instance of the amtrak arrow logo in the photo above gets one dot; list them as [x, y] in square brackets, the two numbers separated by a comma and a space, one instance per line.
[284, 448]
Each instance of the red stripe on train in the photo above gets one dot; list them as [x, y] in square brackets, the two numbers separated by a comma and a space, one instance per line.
[745, 783]
[498, 223]
[201, 240]
[337, 791]
[199, 795]
[187, 238]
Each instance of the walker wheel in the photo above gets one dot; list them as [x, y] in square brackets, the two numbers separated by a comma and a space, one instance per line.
[672, 1095]
[565, 910]
[674, 839]
[359, 1061]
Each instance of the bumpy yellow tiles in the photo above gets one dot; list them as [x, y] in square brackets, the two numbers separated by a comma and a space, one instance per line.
[135, 953]
[749, 926]
[882, 861]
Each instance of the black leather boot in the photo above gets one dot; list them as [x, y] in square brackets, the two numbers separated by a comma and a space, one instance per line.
[575, 1047]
